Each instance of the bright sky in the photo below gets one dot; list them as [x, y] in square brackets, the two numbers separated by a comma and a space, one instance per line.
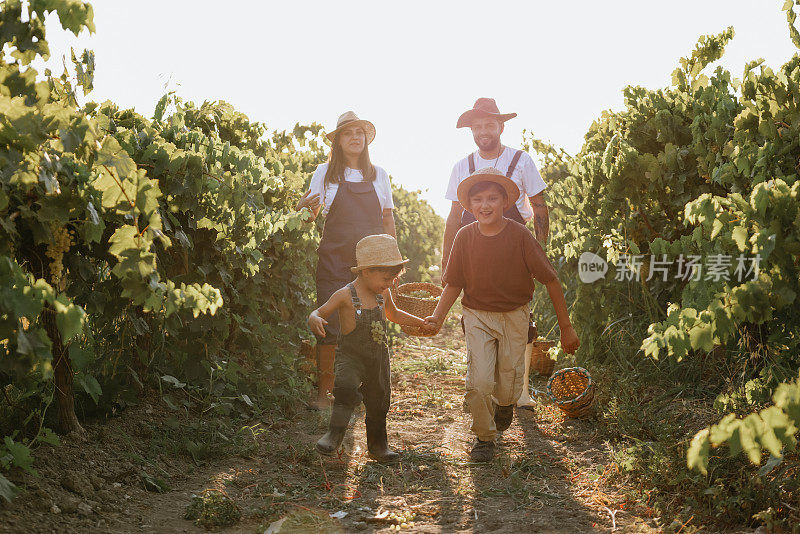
[412, 67]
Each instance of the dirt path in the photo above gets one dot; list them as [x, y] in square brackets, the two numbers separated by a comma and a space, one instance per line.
[551, 474]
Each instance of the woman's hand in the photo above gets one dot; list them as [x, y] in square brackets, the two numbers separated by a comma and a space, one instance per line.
[569, 340]
[317, 324]
[312, 202]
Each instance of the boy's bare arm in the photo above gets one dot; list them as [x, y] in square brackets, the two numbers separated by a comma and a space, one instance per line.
[446, 301]
[316, 320]
[450, 231]
[399, 316]
[569, 339]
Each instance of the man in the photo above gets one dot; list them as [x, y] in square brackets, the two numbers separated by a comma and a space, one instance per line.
[486, 123]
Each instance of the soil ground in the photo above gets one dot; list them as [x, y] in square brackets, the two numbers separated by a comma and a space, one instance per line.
[551, 474]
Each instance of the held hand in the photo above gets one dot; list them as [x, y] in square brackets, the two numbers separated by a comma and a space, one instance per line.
[317, 324]
[428, 329]
[569, 340]
[432, 324]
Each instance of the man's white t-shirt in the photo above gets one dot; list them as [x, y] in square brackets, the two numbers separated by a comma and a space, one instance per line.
[526, 176]
[383, 187]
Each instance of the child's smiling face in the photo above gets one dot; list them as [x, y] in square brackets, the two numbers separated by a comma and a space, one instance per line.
[487, 205]
[377, 281]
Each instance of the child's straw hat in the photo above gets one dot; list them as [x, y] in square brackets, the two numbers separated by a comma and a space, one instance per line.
[487, 174]
[378, 250]
[349, 118]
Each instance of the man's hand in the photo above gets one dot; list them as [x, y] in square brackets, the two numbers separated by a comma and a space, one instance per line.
[569, 340]
[317, 324]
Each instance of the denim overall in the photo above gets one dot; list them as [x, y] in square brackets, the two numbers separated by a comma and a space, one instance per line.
[362, 364]
[362, 374]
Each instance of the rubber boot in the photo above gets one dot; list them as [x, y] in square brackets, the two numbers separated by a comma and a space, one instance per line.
[378, 443]
[332, 440]
[327, 355]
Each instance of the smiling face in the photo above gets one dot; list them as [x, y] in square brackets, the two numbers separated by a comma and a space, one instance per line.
[487, 202]
[352, 139]
[379, 280]
[486, 132]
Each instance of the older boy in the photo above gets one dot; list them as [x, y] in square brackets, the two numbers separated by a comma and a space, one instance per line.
[495, 261]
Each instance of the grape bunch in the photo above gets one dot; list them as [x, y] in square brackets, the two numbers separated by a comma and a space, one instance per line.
[63, 239]
[378, 332]
[422, 294]
[402, 520]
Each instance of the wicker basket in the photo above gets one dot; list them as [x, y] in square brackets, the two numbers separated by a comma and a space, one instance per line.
[541, 362]
[572, 390]
[416, 306]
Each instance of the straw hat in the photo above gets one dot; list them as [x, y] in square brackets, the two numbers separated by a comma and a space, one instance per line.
[483, 107]
[487, 174]
[378, 250]
[349, 118]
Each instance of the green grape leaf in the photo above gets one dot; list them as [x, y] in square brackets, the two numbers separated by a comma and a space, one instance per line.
[49, 437]
[20, 455]
[698, 452]
[701, 337]
[739, 236]
[90, 385]
[80, 357]
[34, 342]
[69, 318]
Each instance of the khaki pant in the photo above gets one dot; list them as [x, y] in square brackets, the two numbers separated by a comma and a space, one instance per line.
[495, 363]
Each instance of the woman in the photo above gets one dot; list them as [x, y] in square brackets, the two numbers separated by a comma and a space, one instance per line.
[355, 197]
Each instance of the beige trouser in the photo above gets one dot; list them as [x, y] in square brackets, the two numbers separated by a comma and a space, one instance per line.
[495, 363]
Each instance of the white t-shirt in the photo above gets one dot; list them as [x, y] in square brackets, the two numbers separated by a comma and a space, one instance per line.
[526, 176]
[383, 187]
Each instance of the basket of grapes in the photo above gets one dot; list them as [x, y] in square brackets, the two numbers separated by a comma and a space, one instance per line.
[417, 298]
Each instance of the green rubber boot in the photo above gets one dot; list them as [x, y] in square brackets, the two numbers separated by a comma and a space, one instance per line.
[332, 440]
[378, 443]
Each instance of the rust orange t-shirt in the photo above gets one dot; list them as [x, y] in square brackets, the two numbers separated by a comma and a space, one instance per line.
[497, 272]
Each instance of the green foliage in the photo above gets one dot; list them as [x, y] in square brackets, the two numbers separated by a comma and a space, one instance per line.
[159, 247]
[419, 234]
[772, 428]
[690, 170]
[706, 168]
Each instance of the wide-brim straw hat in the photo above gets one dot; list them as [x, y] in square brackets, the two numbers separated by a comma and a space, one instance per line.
[487, 174]
[379, 250]
[484, 107]
[349, 118]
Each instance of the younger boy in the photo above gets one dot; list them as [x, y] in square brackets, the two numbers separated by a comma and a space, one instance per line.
[495, 261]
[362, 355]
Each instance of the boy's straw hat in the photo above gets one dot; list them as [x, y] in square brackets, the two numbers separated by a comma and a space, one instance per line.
[487, 174]
[378, 250]
[483, 107]
[349, 118]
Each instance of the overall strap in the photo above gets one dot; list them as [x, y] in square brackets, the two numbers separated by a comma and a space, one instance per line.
[354, 296]
[513, 164]
[471, 161]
